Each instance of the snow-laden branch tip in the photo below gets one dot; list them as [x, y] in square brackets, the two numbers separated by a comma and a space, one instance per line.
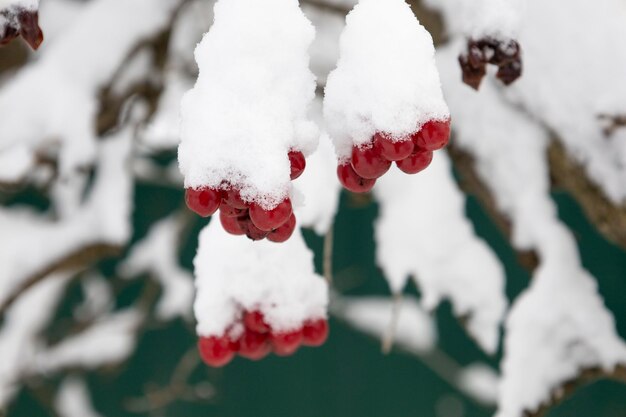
[157, 255]
[249, 106]
[559, 326]
[235, 275]
[423, 233]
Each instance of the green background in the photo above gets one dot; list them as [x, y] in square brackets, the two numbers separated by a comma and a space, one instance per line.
[348, 376]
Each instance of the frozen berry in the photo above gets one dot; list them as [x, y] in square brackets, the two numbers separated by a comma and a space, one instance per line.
[368, 162]
[433, 135]
[393, 150]
[284, 232]
[203, 201]
[416, 162]
[255, 321]
[286, 343]
[233, 199]
[269, 220]
[29, 28]
[315, 333]
[230, 224]
[353, 181]
[216, 351]
[298, 163]
[249, 229]
[253, 345]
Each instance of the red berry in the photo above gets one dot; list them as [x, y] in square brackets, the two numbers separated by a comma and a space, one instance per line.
[353, 181]
[269, 220]
[416, 162]
[29, 28]
[255, 321]
[254, 346]
[231, 211]
[233, 199]
[216, 351]
[286, 343]
[298, 163]
[433, 135]
[315, 332]
[203, 201]
[284, 232]
[368, 163]
[249, 229]
[230, 224]
[393, 151]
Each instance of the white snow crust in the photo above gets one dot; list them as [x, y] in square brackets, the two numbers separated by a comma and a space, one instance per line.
[386, 79]
[249, 105]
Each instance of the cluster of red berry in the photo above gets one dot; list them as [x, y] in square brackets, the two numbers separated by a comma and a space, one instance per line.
[411, 155]
[258, 340]
[21, 22]
[505, 54]
[239, 217]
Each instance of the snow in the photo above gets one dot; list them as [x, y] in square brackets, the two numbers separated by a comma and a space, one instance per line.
[249, 105]
[104, 218]
[109, 340]
[500, 19]
[21, 327]
[480, 382]
[234, 274]
[15, 163]
[157, 254]
[73, 399]
[53, 101]
[386, 79]
[422, 232]
[22, 4]
[325, 48]
[415, 329]
[559, 325]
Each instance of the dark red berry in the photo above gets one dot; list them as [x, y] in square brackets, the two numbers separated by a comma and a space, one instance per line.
[286, 343]
[249, 229]
[29, 28]
[203, 201]
[433, 135]
[233, 199]
[255, 321]
[284, 232]
[368, 162]
[393, 150]
[298, 163]
[216, 351]
[315, 333]
[416, 162]
[254, 346]
[353, 181]
[269, 220]
[230, 224]
[231, 211]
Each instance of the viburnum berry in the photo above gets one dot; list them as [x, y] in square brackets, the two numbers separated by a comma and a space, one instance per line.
[393, 150]
[297, 163]
[416, 162]
[231, 211]
[234, 200]
[249, 228]
[286, 343]
[368, 162]
[284, 232]
[255, 321]
[353, 181]
[268, 220]
[216, 351]
[230, 223]
[254, 345]
[433, 136]
[315, 333]
[203, 201]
